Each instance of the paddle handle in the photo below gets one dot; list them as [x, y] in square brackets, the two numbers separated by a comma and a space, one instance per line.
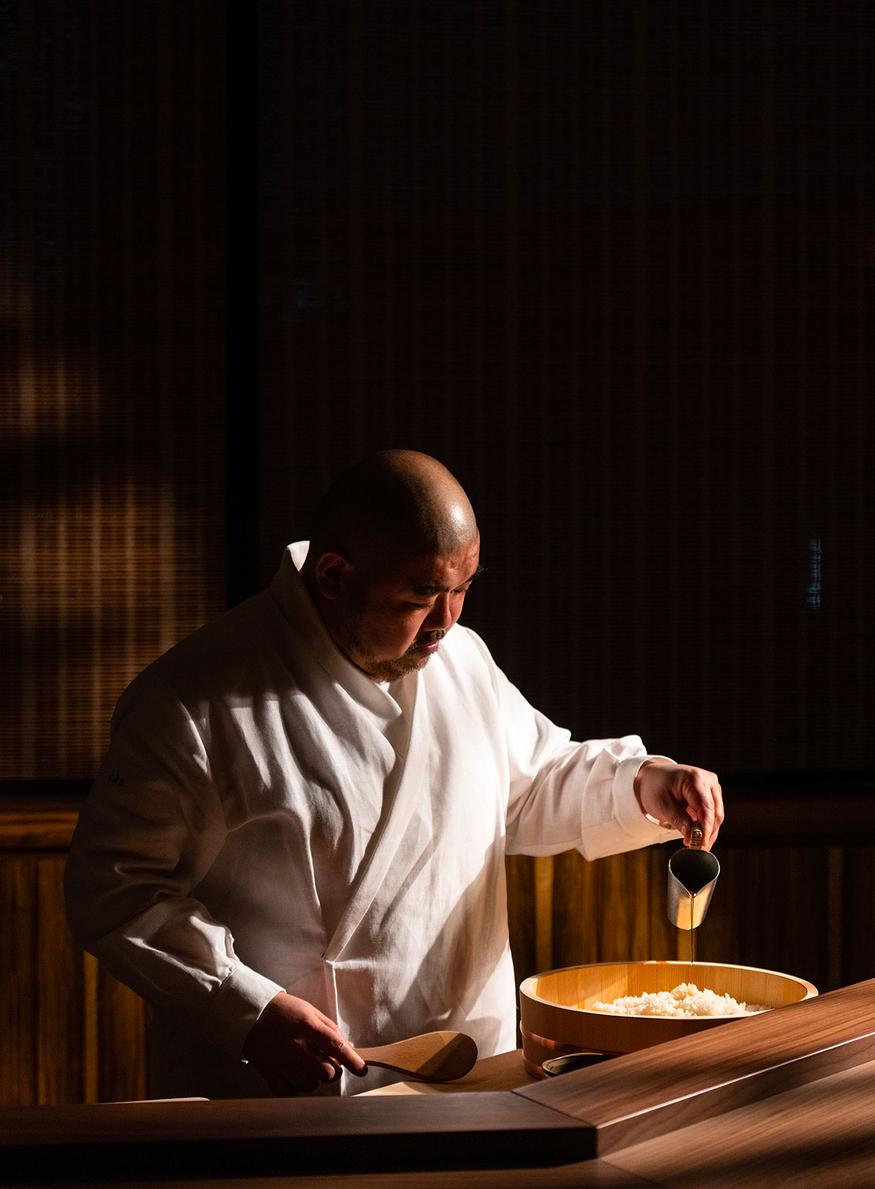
[430, 1057]
[408, 1073]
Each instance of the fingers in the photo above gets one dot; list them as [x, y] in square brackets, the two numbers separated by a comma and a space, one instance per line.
[300, 1070]
[301, 1077]
[331, 1044]
[345, 1055]
[681, 795]
[702, 796]
[334, 1045]
[322, 1051]
[717, 793]
[295, 1046]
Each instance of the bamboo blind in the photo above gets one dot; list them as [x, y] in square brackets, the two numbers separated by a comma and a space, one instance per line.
[613, 263]
[112, 538]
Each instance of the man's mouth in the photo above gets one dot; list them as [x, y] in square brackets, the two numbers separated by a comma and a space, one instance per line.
[429, 645]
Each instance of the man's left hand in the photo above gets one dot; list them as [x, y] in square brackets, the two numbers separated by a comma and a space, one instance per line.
[679, 796]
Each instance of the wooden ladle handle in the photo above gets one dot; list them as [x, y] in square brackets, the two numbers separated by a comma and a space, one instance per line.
[429, 1057]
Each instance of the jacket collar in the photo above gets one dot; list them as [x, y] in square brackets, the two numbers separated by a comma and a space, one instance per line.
[298, 609]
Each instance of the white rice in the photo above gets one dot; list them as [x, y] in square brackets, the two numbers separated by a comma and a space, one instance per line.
[685, 1000]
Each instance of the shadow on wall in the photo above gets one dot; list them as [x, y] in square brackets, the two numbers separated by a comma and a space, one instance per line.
[113, 430]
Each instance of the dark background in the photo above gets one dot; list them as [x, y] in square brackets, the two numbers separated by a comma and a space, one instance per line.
[611, 262]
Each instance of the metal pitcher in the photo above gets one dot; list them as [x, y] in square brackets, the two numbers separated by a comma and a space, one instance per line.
[692, 874]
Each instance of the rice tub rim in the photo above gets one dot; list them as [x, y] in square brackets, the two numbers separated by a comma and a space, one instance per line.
[527, 984]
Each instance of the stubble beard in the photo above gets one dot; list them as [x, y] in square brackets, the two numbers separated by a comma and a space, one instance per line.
[395, 670]
[377, 668]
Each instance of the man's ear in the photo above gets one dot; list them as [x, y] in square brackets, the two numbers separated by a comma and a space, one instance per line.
[332, 573]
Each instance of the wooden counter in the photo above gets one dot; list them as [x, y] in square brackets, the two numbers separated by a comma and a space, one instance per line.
[796, 894]
[787, 1097]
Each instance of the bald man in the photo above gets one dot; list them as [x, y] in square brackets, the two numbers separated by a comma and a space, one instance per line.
[296, 842]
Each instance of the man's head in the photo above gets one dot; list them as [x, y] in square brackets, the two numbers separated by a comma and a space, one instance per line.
[393, 550]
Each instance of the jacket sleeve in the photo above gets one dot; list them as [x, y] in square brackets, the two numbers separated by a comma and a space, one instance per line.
[147, 834]
[566, 795]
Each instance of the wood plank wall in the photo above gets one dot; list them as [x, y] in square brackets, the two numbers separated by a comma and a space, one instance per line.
[70, 1033]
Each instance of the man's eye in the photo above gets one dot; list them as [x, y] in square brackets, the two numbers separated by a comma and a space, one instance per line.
[419, 606]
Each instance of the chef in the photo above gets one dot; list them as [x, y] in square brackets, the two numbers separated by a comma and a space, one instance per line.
[296, 842]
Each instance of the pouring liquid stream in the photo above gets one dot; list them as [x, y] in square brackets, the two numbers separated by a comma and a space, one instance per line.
[692, 933]
[695, 843]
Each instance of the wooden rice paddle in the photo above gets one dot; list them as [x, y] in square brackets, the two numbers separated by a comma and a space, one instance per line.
[430, 1057]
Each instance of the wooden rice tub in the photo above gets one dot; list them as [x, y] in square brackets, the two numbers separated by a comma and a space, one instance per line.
[554, 1007]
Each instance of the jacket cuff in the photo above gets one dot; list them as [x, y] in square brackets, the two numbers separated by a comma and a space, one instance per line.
[236, 1006]
[642, 829]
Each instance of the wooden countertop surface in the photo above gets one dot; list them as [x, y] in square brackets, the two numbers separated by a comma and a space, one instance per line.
[771, 1099]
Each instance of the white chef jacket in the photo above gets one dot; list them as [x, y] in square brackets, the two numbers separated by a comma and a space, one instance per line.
[269, 818]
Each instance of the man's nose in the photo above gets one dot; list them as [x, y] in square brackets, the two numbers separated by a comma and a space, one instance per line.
[441, 614]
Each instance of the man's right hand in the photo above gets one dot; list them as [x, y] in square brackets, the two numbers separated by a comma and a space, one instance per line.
[295, 1047]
